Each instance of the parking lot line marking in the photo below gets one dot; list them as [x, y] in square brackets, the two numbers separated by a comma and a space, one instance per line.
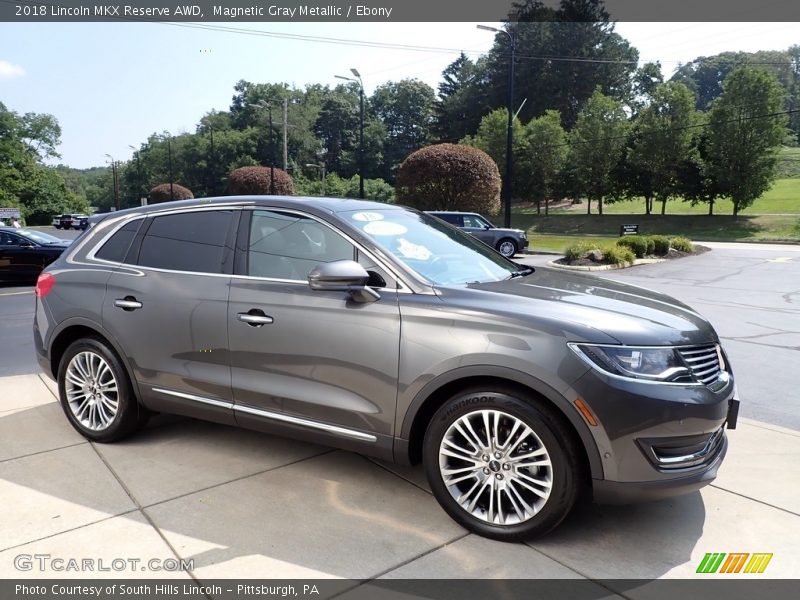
[16, 293]
[780, 259]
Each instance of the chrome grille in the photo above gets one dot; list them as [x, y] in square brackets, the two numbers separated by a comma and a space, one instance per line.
[703, 362]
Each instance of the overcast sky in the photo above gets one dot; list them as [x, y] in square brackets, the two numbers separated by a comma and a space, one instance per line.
[111, 85]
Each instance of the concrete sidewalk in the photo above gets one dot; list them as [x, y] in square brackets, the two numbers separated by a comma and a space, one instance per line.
[243, 504]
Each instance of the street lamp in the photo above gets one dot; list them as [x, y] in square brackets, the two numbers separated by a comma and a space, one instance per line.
[114, 177]
[507, 188]
[263, 105]
[138, 171]
[322, 179]
[361, 127]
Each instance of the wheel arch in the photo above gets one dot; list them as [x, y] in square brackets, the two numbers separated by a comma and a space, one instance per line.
[75, 329]
[408, 444]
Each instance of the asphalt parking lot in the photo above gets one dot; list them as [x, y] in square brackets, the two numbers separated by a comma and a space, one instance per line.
[243, 504]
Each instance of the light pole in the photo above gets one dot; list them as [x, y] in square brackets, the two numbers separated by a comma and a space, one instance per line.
[263, 105]
[361, 127]
[322, 179]
[507, 188]
[114, 178]
[138, 172]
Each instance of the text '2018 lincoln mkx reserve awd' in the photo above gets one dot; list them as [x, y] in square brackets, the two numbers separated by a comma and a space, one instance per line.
[385, 331]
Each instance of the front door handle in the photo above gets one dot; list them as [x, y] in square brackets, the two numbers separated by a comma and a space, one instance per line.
[254, 318]
[127, 303]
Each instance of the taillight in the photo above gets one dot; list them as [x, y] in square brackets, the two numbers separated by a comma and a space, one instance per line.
[44, 284]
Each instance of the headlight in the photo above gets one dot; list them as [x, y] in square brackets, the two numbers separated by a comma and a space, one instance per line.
[650, 363]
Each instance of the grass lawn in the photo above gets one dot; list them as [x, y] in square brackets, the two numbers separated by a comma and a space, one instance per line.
[557, 243]
[568, 227]
[782, 198]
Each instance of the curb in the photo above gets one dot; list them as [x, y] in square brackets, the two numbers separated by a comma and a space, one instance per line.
[638, 261]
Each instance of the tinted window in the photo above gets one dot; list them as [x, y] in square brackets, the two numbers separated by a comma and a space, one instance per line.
[193, 241]
[9, 239]
[474, 221]
[288, 246]
[457, 220]
[117, 246]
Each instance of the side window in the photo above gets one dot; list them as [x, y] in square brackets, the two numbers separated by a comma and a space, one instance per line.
[116, 247]
[192, 241]
[456, 220]
[473, 222]
[287, 246]
[8, 239]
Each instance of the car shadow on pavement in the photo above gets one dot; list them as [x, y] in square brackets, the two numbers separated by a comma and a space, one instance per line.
[245, 504]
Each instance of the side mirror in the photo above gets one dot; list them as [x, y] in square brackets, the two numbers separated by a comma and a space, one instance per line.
[26, 245]
[343, 276]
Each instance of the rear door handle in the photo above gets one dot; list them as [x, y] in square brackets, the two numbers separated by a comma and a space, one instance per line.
[254, 318]
[127, 303]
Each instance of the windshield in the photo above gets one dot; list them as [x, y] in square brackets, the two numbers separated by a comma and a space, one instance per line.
[38, 236]
[438, 252]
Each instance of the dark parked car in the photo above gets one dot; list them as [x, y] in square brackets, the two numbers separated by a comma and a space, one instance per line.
[507, 242]
[25, 252]
[385, 331]
[71, 221]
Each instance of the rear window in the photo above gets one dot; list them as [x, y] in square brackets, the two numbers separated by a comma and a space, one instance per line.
[193, 241]
[116, 247]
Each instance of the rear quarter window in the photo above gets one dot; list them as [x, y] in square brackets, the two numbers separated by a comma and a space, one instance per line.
[116, 247]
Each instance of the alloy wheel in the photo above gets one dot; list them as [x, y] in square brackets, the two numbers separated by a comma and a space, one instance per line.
[92, 391]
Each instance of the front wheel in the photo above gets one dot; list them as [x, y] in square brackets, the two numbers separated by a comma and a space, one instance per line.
[507, 247]
[96, 394]
[501, 464]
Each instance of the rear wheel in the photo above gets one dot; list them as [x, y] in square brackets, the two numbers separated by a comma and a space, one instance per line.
[96, 393]
[501, 464]
[507, 247]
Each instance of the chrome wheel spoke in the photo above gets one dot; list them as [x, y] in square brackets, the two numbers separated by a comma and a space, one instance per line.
[91, 390]
[483, 475]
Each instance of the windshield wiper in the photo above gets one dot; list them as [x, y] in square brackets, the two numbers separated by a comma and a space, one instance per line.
[522, 272]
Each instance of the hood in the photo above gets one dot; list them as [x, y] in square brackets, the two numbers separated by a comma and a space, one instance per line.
[589, 308]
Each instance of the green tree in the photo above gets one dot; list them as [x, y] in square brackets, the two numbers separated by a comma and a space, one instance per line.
[406, 110]
[462, 99]
[744, 134]
[663, 139]
[491, 137]
[596, 147]
[542, 157]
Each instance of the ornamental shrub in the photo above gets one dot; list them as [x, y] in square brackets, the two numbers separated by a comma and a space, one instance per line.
[246, 181]
[618, 255]
[449, 177]
[637, 243]
[162, 193]
[660, 245]
[681, 243]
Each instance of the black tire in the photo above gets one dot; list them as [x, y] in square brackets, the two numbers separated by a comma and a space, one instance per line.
[130, 416]
[507, 247]
[549, 430]
[57, 226]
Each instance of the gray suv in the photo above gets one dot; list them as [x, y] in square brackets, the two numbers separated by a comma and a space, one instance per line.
[384, 331]
[507, 242]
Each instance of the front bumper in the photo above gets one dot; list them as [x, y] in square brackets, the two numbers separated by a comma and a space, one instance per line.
[656, 440]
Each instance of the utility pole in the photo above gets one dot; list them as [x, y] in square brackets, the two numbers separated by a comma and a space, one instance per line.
[138, 173]
[507, 184]
[285, 137]
[360, 83]
[115, 181]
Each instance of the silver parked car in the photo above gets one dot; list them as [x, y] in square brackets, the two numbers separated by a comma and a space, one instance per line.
[383, 330]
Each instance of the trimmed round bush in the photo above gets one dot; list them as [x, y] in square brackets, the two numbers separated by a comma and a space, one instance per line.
[682, 244]
[256, 181]
[651, 245]
[449, 177]
[618, 255]
[660, 245]
[637, 243]
[162, 193]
